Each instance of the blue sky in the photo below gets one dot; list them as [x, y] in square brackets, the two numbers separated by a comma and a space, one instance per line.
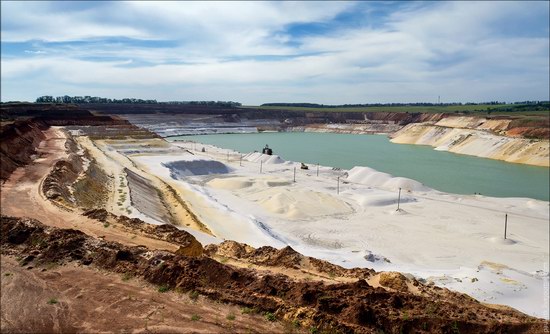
[258, 52]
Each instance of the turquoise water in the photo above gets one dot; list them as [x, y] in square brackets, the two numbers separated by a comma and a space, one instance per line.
[449, 172]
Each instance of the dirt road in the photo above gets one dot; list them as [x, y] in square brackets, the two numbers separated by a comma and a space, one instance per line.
[21, 196]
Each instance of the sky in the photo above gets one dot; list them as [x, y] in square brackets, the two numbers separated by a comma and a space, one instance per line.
[260, 52]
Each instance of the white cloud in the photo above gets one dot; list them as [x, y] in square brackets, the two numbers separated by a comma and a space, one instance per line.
[453, 49]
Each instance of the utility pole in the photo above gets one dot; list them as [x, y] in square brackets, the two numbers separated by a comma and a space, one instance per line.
[261, 164]
[505, 224]
[338, 185]
[398, 199]
[294, 174]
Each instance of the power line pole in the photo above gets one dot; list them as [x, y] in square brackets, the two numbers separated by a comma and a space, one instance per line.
[398, 199]
[505, 224]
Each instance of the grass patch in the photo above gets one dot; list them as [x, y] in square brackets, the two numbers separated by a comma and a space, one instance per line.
[194, 295]
[163, 288]
[248, 310]
[106, 225]
[269, 316]
[7, 274]
[503, 109]
[38, 242]
[50, 265]
[92, 190]
[195, 317]
[127, 277]
[52, 301]
[230, 317]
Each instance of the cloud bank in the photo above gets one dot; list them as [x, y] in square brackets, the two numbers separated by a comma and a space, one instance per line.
[257, 52]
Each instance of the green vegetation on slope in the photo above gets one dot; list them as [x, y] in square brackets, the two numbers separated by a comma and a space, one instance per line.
[539, 109]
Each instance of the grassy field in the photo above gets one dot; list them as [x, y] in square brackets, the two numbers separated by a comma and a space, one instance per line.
[471, 109]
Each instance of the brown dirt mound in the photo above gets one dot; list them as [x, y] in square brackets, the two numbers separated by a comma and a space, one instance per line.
[18, 143]
[285, 258]
[57, 185]
[189, 246]
[345, 307]
[394, 280]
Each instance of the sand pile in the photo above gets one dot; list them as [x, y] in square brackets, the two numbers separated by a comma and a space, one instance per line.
[376, 200]
[300, 203]
[372, 178]
[266, 159]
[232, 183]
[275, 196]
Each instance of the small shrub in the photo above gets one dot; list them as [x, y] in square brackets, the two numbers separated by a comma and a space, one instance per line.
[52, 301]
[127, 276]
[296, 324]
[106, 225]
[163, 288]
[269, 316]
[247, 310]
[230, 316]
[194, 295]
[195, 317]
[313, 330]
[50, 265]
[455, 327]
[7, 274]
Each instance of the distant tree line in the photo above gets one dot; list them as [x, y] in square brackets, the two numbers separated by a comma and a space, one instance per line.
[102, 100]
[524, 106]
[207, 103]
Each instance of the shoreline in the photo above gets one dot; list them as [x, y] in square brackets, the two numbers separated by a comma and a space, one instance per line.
[459, 143]
[523, 181]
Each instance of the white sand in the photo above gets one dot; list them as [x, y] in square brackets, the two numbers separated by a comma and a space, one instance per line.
[446, 238]
[450, 136]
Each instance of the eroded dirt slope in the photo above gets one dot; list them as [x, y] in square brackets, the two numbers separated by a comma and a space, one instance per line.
[345, 307]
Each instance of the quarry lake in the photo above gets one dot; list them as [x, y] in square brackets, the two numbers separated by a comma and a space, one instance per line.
[444, 171]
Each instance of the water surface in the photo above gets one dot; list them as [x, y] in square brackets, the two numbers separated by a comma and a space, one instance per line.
[449, 172]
